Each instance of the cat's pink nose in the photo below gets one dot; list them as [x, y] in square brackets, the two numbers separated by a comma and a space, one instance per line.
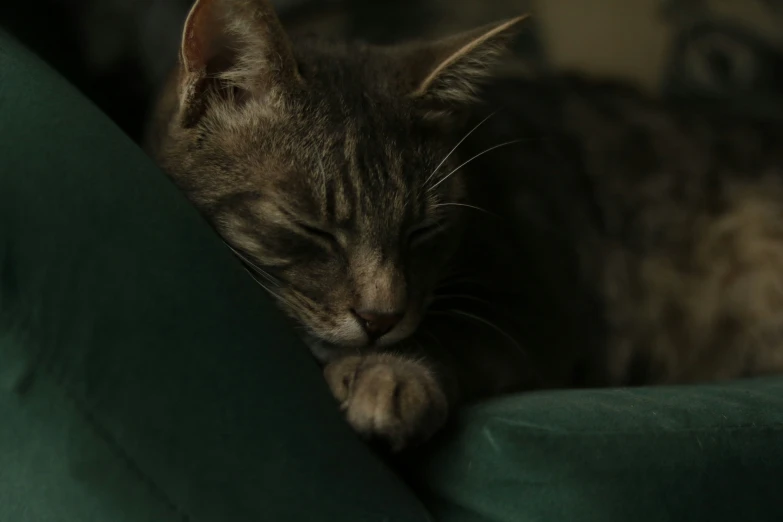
[376, 324]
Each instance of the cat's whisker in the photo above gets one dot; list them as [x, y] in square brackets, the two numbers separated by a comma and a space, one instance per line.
[474, 207]
[260, 271]
[262, 285]
[479, 124]
[290, 302]
[266, 275]
[295, 298]
[447, 176]
[483, 321]
[293, 302]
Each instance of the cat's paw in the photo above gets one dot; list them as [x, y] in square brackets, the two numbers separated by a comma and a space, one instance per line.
[390, 397]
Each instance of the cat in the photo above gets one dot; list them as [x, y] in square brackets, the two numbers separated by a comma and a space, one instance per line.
[443, 232]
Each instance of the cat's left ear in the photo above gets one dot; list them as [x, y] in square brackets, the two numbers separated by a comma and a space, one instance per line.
[450, 71]
[233, 49]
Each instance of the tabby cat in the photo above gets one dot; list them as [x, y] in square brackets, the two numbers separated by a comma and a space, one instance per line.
[437, 248]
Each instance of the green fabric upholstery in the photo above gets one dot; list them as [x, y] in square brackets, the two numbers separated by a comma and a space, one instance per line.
[143, 376]
[702, 453]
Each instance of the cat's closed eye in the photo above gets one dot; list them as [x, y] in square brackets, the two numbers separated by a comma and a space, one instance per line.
[319, 234]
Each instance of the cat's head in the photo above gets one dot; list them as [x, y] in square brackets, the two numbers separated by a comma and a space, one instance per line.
[326, 166]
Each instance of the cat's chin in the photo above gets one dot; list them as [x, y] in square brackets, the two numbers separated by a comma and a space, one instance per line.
[323, 351]
[326, 352]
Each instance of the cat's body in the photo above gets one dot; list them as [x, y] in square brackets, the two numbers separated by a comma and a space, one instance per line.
[649, 236]
[580, 235]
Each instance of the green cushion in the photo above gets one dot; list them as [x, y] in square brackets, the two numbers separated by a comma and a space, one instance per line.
[143, 375]
[703, 453]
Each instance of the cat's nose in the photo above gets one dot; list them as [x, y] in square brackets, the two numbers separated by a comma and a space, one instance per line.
[376, 324]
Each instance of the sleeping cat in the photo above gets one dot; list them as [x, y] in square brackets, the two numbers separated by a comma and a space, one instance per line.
[436, 248]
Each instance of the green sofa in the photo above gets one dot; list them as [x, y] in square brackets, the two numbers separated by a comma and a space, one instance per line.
[145, 378]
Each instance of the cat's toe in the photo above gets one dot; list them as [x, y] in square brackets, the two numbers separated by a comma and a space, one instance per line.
[389, 397]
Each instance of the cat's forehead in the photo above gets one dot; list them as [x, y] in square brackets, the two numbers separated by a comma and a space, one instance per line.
[341, 131]
[352, 176]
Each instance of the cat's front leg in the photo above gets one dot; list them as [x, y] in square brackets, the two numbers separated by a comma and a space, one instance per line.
[396, 398]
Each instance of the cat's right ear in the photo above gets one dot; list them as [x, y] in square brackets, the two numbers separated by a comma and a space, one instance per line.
[232, 49]
[447, 73]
